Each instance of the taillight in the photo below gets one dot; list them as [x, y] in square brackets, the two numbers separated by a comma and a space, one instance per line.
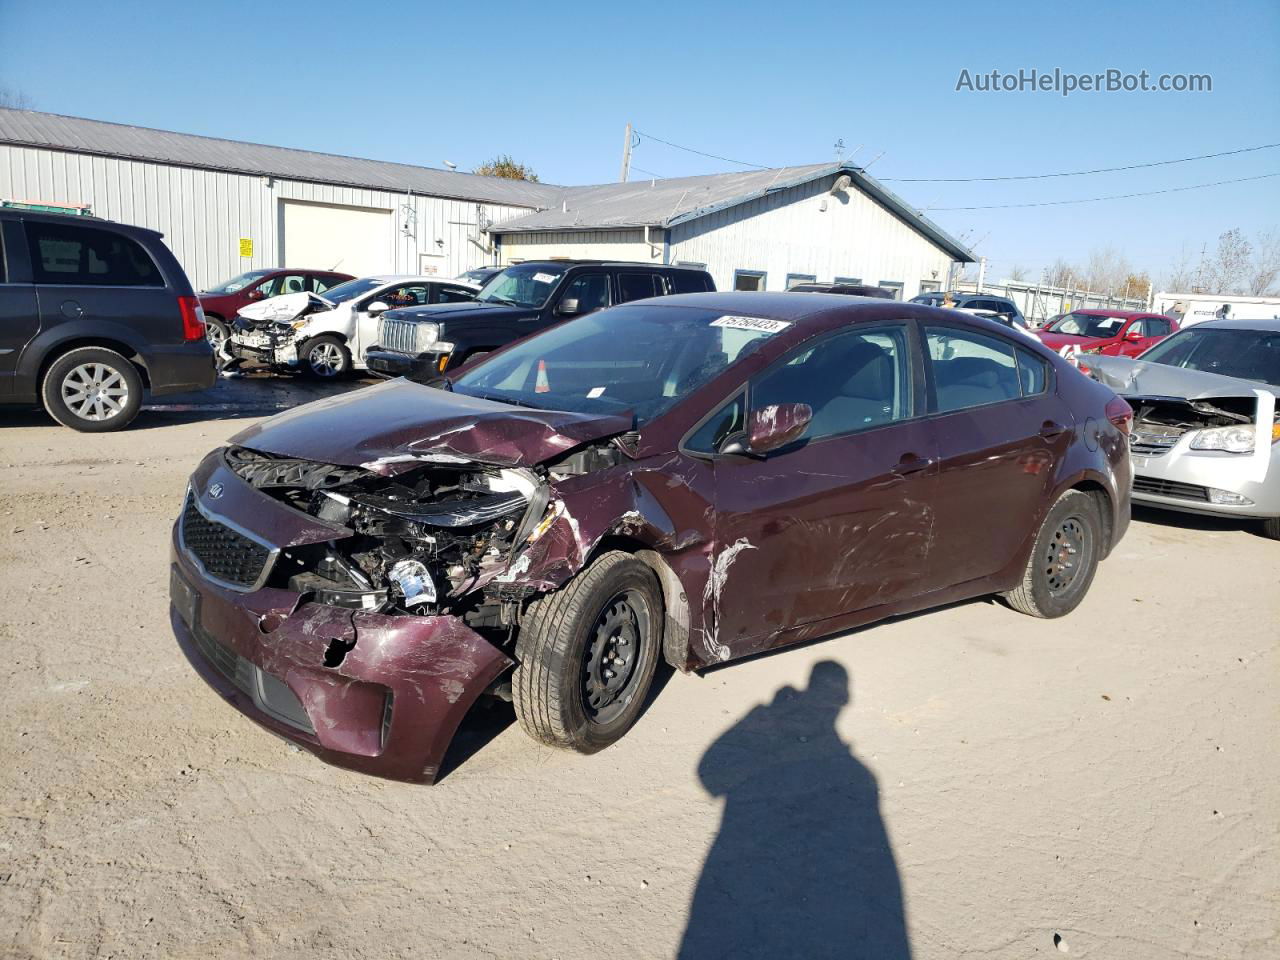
[192, 318]
[1120, 413]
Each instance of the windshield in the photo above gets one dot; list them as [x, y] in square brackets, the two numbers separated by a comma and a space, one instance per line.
[1088, 325]
[351, 289]
[1244, 354]
[523, 285]
[240, 282]
[641, 359]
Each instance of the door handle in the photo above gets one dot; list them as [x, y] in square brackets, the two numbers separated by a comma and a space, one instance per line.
[1051, 430]
[910, 463]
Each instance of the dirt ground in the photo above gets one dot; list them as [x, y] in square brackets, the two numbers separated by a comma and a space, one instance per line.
[965, 783]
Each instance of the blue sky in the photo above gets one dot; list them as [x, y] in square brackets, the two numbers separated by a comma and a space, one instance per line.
[773, 84]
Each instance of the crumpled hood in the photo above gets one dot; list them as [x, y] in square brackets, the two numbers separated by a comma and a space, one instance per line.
[1130, 377]
[285, 307]
[401, 418]
[1056, 341]
[470, 310]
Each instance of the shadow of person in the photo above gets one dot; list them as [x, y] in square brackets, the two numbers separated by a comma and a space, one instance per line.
[802, 865]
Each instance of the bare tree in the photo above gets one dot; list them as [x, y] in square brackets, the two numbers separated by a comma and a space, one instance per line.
[1264, 268]
[15, 98]
[1181, 276]
[1061, 274]
[1018, 272]
[1227, 271]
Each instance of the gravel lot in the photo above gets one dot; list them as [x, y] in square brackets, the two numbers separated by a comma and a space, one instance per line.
[1107, 784]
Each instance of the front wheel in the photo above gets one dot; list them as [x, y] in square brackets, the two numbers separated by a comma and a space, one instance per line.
[217, 333]
[1063, 560]
[587, 655]
[93, 390]
[325, 358]
[1271, 527]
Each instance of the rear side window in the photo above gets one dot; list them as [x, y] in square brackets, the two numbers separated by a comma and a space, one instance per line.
[88, 256]
[637, 286]
[454, 295]
[970, 369]
[689, 281]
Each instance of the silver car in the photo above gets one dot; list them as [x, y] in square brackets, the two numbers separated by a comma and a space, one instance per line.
[1205, 437]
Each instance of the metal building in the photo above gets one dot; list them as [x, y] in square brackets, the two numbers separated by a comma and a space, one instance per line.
[760, 230]
[226, 207]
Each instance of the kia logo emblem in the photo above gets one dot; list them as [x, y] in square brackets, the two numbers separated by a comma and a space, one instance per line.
[215, 491]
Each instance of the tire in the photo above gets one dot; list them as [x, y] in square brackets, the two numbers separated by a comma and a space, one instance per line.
[217, 333]
[1271, 528]
[324, 358]
[561, 694]
[92, 390]
[1064, 559]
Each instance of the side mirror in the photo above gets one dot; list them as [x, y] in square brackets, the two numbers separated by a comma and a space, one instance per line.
[253, 295]
[770, 428]
[568, 307]
[376, 308]
[1133, 336]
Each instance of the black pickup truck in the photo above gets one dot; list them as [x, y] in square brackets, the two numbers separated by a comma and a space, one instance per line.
[523, 299]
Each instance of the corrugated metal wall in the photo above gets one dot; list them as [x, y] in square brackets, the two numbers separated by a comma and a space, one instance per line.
[788, 232]
[582, 245]
[204, 214]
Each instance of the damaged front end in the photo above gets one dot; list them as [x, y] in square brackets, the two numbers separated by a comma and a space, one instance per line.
[269, 332]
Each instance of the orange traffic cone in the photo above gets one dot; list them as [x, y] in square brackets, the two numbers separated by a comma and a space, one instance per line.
[541, 385]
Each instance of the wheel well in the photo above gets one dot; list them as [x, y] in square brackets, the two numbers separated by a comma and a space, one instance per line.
[106, 343]
[675, 602]
[214, 316]
[1099, 493]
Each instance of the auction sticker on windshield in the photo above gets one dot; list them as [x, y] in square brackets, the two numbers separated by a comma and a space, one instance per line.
[759, 324]
[545, 277]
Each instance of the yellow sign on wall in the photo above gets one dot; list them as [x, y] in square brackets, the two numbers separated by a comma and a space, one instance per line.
[246, 247]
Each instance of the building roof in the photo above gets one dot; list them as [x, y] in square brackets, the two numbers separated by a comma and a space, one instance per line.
[642, 203]
[29, 128]
[666, 203]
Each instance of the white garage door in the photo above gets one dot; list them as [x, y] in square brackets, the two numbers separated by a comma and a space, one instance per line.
[353, 240]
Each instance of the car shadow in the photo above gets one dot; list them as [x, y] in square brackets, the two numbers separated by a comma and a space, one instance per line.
[802, 865]
[1195, 521]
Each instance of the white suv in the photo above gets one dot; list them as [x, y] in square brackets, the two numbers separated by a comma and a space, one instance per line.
[327, 335]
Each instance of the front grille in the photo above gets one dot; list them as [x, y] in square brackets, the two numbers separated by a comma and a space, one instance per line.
[1146, 444]
[224, 554]
[1171, 488]
[400, 336]
[271, 695]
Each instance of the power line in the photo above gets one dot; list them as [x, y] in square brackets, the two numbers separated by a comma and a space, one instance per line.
[660, 176]
[1080, 173]
[701, 153]
[1118, 196]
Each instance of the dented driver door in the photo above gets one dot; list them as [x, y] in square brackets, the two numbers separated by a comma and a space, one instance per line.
[839, 521]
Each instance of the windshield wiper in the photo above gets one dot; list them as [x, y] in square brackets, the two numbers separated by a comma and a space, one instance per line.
[513, 402]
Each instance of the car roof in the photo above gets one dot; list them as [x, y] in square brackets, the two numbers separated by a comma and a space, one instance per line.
[604, 263]
[1272, 325]
[802, 308]
[1106, 312]
[37, 216]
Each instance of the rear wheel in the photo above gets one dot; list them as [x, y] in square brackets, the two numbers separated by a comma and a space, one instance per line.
[1271, 527]
[325, 358]
[587, 655]
[93, 390]
[1063, 560]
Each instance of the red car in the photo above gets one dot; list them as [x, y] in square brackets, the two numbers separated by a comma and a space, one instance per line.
[694, 478]
[1117, 333]
[221, 303]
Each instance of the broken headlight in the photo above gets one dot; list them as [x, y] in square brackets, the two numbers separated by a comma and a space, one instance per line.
[1235, 439]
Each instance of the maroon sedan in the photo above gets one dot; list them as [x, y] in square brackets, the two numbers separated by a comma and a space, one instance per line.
[697, 478]
[221, 303]
[1117, 333]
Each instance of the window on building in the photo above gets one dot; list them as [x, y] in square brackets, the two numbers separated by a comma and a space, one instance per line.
[637, 286]
[86, 256]
[794, 278]
[970, 369]
[894, 287]
[930, 286]
[748, 279]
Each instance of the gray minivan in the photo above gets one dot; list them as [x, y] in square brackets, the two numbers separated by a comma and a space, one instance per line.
[92, 315]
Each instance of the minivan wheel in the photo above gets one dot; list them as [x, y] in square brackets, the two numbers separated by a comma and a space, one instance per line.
[325, 358]
[586, 655]
[1063, 560]
[93, 390]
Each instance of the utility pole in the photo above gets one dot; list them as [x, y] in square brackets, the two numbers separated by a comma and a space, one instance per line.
[982, 272]
[626, 156]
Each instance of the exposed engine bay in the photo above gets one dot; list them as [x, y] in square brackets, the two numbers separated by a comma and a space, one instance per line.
[431, 535]
[1173, 416]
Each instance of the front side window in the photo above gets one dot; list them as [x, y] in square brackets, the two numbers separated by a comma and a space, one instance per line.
[1244, 354]
[852, 381]
[970, 369]
[405, 295]
[591, 290]
[728, 420]
[637, 286]
[638, 358]
[87, 256]
[1157, 327]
